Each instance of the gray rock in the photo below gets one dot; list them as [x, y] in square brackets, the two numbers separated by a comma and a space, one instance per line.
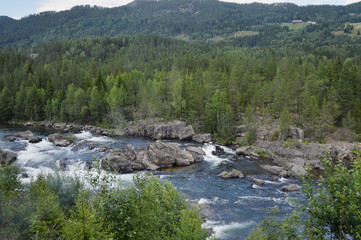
[27, 134]
[291, 188]
[274, 178]
[35, 139]
[202, 138]
[247, 151]
[258, 181]
[7, 157]
[232, 174]
[219, 151]
[10, 138]
[297, 133]
[160, 130]
[59, 140]
[156, 155]
[275, 169]
[198, 154]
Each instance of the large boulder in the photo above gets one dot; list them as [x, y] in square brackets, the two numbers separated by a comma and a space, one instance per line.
[27, 134]
[248, 151]
[218, 151]
[59, 140]
[202, 138]
[291, 188]
[7, 157]
[275, 169]
[167, 155]
[232, 174]
[35, 139]
[198, 154]
[156, 155]
[160, 130]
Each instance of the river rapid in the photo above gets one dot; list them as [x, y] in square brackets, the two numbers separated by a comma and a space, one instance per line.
[233, 207]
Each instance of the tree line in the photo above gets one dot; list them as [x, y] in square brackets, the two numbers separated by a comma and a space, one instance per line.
[113, 80]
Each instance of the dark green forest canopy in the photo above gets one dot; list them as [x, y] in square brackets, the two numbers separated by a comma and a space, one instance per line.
[187, 19]
[110, 81]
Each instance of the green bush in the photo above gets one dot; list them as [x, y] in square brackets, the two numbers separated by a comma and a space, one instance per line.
[275, 135]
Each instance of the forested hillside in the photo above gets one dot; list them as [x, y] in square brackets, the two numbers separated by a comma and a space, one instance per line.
[113, 80]
[186, 19]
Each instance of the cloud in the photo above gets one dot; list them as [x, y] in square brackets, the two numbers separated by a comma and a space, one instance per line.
[56, 5]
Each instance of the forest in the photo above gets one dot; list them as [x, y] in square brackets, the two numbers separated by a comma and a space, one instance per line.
[109, 81]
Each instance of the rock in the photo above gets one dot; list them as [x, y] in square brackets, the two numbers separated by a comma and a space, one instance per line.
[297, 167]
[27, 134]
[35, 139]
[274, 178]
[89, 164]
[297, 133]
[160, 130]
[156, 155]
[104, 149]
[7, 157]
[167, 154]
[219, 151]
[232, 174]
[238, 130]
[258, 181]
[59, 140]
[10, 138]
[123, 160]
[202, 138]
[247, 151]
[276, 170]
[291, 188]
[48, 125]
[198, 154]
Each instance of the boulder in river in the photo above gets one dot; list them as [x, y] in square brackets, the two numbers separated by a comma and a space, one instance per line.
[219, 151]
[7, 157]
[160, 130]
[10, 138]
[59, 140]
[276, 170]
[35, 139]
[232, 174]
[258, 181]
[202, 138]
[156, 155]
[291, 188]
[198, 154]
[27, 134]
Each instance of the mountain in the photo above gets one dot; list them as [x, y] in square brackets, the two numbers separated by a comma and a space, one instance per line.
[188, 19]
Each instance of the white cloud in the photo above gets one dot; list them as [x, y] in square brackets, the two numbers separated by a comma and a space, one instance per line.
[56, 5]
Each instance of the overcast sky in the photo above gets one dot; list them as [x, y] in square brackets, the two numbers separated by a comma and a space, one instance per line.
[21, 8]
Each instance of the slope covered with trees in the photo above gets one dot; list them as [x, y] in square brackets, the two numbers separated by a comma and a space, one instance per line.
[189, 19]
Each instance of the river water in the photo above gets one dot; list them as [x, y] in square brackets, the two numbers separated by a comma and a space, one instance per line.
[233, 206]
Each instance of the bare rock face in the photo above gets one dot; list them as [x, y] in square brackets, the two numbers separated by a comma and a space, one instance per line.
[232, 174]
[291, 188]
[27, 134]
[160, 130]
[156, 155]
[197, 153]
[59, 140]
[202, 138]
[297, 133]
[7, 157]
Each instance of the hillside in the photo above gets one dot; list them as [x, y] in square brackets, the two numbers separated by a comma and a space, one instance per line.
[186, 19]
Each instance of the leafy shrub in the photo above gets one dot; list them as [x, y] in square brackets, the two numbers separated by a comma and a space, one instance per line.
[275, 135]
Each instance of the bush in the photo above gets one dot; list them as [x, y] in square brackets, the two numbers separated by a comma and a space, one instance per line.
[275, 135]
[332, 210]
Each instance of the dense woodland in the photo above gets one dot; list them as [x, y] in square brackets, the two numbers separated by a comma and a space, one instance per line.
[113, 80]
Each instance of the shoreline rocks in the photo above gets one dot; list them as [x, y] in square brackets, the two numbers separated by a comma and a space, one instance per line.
[59, 140]
[7, 157]
[291, 188]
[27, 134]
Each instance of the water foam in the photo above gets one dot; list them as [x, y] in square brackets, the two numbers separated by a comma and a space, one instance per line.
[222, 230]
[215, 200]
[244, 199]
[209, 157]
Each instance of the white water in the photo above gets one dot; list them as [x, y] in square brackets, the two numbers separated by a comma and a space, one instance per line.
[209, 157]
[223, 231]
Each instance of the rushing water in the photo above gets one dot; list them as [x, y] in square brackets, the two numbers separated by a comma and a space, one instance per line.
[233, 206]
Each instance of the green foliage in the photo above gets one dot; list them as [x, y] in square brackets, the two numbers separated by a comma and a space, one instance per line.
[83, 222]
[332, 209]
[275, 135]
[286, 122]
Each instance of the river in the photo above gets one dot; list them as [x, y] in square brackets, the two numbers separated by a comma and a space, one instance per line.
[233, 206]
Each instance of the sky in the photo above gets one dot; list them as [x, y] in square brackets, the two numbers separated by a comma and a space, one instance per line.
[21, 8]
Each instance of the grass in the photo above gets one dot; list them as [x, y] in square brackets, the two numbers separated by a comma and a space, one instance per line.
[294, 27]
[356, 28]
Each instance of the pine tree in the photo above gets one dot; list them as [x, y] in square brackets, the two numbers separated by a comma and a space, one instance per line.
[6, 105]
